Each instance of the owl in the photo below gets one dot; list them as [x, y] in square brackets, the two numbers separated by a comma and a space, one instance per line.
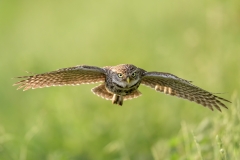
[121, 82]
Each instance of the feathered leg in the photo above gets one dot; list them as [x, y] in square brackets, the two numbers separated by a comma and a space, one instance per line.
[117, 99]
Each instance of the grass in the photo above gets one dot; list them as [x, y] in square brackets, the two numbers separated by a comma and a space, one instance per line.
[197, 41]
[212, 139]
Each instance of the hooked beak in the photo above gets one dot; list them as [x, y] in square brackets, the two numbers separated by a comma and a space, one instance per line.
[128, 80]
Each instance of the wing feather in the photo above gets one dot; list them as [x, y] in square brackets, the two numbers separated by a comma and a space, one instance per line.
[66, 76]
[175, 86]
[102, 92]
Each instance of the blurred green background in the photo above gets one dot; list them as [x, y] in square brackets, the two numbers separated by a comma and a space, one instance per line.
[195, 40]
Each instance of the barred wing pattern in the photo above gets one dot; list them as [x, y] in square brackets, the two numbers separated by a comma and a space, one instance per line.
[66, 76]
[175, 86]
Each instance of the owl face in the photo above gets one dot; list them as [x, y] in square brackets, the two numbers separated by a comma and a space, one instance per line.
[125, 76]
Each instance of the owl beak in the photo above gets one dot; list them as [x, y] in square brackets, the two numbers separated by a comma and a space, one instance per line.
[128, 80]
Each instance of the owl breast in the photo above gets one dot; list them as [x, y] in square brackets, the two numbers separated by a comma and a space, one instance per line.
[119, 90]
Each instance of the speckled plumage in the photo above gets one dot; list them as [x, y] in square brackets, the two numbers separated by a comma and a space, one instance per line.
[121, 82]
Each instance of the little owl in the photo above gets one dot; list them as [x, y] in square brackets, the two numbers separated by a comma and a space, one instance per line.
[121, 82]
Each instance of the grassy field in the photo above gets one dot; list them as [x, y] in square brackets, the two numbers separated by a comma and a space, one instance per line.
[195, 40]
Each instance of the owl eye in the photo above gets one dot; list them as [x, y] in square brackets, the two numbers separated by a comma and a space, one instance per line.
[120, 75]
[133, 74]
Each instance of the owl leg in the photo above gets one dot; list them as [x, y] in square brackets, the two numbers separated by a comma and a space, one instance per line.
[117, 100]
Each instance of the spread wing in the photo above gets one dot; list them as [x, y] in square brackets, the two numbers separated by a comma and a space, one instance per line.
[175, 86]
[66, 76]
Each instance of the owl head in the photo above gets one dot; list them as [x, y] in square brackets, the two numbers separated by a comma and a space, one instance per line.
[126, 75]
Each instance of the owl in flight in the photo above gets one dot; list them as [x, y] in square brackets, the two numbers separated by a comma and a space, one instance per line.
[121, 82]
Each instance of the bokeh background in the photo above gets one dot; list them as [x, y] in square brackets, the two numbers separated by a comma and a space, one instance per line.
[195, 40]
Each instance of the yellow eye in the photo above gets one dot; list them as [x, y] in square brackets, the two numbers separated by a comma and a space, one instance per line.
[120, 75]
[133, 74]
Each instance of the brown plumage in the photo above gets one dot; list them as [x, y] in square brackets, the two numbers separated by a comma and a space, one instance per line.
[121, 82]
